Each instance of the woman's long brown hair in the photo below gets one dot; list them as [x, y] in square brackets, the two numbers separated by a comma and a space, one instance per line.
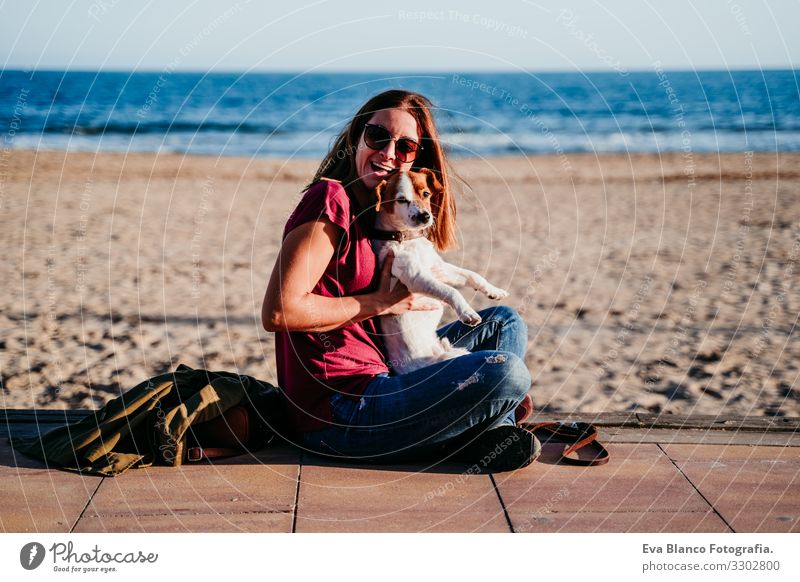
[339, 163]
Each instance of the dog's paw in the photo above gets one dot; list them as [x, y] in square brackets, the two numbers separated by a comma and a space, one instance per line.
[469, 317]
[496, 293]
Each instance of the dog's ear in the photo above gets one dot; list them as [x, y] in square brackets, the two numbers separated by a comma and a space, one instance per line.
[378, 192]
[433, 181]
[444, 212]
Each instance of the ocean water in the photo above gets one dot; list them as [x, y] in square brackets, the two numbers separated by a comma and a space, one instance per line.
[481, 114]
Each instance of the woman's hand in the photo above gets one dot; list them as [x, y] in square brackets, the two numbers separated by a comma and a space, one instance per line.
[290, 304]
[398, 299]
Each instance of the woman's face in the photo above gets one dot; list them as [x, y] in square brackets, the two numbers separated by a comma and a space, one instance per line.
[375, 165]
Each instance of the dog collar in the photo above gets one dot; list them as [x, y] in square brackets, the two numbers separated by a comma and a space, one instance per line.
[397, 235]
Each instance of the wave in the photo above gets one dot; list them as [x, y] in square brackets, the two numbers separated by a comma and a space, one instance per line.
[159, 127]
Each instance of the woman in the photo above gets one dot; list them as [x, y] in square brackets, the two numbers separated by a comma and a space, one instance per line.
[325, 292]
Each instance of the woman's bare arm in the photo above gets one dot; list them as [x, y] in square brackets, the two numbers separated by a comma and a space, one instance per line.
[289, 304]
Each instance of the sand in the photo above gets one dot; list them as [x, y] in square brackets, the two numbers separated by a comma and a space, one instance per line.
[665, 284]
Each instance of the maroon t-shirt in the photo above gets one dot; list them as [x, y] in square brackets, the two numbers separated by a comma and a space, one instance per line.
[313, 366]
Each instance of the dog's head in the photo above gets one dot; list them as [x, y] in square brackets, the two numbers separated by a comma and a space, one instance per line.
[408, 200]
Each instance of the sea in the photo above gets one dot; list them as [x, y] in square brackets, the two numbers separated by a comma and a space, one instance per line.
[293, 115]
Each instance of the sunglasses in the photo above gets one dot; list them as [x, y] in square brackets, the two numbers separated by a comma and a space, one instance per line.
[376, 137]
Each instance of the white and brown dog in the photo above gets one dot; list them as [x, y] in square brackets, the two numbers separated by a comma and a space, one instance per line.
[403, 216]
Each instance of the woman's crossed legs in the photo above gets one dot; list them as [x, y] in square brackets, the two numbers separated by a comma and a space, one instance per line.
[437, 407]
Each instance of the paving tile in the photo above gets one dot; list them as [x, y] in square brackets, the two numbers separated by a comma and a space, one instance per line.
[227, 495]
[189, 523]
[755, 489]
[623, 522]
[639, 479]
[695, 452]
[36, 499]
[338, 498]
[697, 436]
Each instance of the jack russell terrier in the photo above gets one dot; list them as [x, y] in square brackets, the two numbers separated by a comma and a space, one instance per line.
[403, 214]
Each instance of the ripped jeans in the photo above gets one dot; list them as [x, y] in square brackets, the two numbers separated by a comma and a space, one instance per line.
[437, 408]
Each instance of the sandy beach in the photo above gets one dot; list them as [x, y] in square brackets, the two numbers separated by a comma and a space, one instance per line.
[649, 283]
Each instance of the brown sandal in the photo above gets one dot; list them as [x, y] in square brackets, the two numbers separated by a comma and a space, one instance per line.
[578, 435]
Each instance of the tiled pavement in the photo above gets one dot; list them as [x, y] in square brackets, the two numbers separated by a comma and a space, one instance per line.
[667, 486]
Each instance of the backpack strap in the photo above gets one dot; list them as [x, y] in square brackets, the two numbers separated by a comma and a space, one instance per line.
[195, 454]
[578, 436]
[233, 433]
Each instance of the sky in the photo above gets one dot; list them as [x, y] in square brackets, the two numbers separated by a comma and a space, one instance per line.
[337, 35]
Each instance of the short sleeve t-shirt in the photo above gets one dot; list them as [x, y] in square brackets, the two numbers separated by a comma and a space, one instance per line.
[312, 366]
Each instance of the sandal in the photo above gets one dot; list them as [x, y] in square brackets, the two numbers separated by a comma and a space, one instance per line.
[579, 436]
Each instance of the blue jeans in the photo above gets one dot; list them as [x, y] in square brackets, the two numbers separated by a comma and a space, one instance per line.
[437, 408]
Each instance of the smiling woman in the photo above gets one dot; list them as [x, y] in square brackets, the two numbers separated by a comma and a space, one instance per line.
[325, 292]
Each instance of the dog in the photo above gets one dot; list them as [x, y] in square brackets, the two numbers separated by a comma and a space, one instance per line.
[403, 214]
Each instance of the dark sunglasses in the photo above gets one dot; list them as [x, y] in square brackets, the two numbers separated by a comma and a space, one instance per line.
[376, 137]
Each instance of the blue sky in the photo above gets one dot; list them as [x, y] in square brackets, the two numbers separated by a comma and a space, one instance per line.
[467, 35]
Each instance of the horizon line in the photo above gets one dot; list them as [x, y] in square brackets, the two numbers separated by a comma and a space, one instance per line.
[399, 72]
